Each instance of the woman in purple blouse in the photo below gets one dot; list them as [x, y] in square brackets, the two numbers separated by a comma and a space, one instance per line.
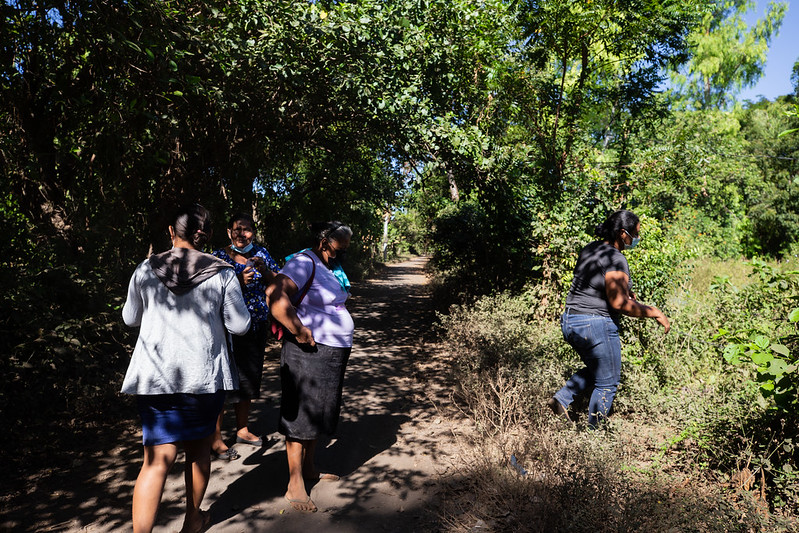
[315, 351]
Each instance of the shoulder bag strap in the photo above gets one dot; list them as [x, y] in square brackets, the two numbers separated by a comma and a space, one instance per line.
[308, 283]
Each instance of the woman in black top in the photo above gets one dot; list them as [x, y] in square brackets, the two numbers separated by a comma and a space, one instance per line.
[599, 294]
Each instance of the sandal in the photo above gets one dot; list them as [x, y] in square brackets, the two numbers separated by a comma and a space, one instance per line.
[302, 505]
[230, 454]
[324, 477]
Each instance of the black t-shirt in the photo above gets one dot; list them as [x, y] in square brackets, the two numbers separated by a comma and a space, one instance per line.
[587, 293]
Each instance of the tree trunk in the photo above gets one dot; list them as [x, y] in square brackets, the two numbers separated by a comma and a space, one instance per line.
[453, 187]
[386, 218]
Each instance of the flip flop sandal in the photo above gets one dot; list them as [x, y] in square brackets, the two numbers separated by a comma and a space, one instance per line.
[206, 516]
[324, 477]
[302, 505]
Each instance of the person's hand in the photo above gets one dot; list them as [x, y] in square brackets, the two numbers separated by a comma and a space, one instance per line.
[258, 263]
[663, 320]
[304, 336]
[247, 275]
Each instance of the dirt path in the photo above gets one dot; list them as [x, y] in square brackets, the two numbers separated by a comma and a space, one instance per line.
[391, 446]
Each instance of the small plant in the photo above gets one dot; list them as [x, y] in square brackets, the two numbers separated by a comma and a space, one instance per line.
[767, 345]
[775, 366]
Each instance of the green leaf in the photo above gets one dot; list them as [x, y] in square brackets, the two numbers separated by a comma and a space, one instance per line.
[761, 358]
[762, 341]
[793, 316]
[732, 353]
[780, 349]
[777, 367]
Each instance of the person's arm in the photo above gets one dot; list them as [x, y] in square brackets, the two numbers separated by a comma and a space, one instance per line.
[620, 299]
[279, 295]
[234, 308]
[133, 309]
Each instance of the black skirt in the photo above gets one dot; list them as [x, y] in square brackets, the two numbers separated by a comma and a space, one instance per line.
[248, 352]
[311, 381]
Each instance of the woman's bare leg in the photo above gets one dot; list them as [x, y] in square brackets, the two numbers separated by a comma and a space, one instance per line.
[150, 485]
[217, 444]
[296, 493]
[242, 420]
[196, 475]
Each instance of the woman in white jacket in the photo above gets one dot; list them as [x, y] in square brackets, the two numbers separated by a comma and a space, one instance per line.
[185, 303]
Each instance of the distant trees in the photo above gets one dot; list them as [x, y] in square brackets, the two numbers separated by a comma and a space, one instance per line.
[726, 54]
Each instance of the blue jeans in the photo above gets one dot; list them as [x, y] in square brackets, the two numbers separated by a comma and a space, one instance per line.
[596, 340]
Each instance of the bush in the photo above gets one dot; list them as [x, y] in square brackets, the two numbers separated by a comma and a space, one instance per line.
[499, 332]
[63, 370]
[510, 359]
[478, 253]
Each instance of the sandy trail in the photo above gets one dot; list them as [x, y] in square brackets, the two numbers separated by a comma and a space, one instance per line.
[391, 447]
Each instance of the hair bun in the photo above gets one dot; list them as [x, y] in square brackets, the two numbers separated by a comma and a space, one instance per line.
[599, 230]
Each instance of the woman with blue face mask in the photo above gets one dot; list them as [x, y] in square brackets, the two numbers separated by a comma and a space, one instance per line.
[600, 293]
[254, 268]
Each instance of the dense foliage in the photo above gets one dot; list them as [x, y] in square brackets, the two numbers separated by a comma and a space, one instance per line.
[493, 135]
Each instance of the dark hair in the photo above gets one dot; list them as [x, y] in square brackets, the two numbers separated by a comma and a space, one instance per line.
[241, 216]
[192, 223]
[620, 220]
[332, 231]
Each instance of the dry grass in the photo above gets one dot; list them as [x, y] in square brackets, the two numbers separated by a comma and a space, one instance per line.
[706, 269]
[679, 435]
[615, 479]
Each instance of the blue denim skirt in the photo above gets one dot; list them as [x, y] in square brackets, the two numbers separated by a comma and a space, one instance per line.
[168, 418]
[311, 383]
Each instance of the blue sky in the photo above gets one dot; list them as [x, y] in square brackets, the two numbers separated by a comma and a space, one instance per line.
[782, 54]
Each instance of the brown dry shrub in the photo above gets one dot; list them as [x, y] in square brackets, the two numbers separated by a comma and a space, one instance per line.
[575, 480]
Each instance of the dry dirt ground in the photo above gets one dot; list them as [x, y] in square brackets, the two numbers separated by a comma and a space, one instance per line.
[393, 445]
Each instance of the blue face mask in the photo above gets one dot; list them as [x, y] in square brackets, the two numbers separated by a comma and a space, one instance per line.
[242, 250]
[635, 241]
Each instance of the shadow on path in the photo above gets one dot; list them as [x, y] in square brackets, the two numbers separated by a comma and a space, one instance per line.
[382, 439]
[388, 448]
